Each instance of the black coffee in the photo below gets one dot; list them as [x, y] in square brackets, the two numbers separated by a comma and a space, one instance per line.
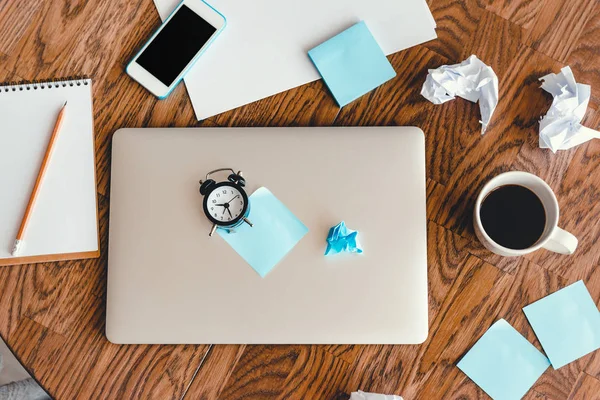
[513, 216]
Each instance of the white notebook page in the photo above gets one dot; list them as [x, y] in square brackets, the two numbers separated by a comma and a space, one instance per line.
[64, 218]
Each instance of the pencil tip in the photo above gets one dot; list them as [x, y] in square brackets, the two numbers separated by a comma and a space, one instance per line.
[16, 247]
[65, 104]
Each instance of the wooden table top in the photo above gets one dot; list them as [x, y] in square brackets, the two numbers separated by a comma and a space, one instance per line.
[52, 314]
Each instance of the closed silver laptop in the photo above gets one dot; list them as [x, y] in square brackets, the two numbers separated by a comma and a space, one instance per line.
[169, 282]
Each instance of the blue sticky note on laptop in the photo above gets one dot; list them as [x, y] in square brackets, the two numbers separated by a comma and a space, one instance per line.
[567, 324]
[275, 232]
[352, 63]
[503, 363]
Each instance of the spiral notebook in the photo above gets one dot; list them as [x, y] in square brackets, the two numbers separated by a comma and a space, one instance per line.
[64, 222]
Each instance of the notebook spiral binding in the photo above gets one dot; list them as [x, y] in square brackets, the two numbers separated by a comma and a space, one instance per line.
[43, 84]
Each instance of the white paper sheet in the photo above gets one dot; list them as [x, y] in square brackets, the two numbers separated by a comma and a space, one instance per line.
[471, 79]
[560, 128]
[360, 395]
[263, 49]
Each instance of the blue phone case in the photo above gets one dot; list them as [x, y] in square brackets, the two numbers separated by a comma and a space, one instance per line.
[185, 71]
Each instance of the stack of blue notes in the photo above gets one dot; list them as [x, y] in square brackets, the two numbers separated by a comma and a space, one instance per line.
[503, 363]
[352, 64]
[567, 324]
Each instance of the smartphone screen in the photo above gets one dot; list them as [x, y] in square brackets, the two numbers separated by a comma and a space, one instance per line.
[176, 45]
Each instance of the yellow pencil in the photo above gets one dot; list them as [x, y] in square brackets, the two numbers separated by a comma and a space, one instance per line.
[38, 182]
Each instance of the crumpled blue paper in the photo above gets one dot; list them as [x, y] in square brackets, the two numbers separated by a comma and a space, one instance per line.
[341, 239]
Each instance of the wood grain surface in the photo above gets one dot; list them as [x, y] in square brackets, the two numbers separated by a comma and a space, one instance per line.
[52, 314]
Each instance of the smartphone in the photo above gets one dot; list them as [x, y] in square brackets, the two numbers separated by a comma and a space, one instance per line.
[176, 46]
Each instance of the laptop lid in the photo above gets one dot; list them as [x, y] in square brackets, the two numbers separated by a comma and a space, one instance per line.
[169, 282]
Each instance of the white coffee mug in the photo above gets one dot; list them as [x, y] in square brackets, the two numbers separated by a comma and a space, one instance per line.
[553, 238]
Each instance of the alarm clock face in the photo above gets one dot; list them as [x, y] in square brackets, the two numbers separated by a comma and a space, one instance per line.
[226, 204]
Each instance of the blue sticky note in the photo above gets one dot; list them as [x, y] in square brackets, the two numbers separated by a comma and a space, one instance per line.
[352, 63]
[340, 239]
[567, 324]
[275, 232]
[503, 363]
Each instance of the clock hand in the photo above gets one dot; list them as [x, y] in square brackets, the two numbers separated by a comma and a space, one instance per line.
[220, 205]
[225, 208]
[233, 199]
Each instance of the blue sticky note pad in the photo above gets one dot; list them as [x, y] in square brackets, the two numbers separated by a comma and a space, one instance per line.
[275, 232]
[567, 324]
[352, 63]
[503, 363]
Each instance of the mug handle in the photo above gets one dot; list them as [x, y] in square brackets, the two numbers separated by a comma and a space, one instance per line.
[561, 242]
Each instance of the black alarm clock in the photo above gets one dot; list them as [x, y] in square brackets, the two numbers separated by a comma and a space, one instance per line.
[225, 203]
